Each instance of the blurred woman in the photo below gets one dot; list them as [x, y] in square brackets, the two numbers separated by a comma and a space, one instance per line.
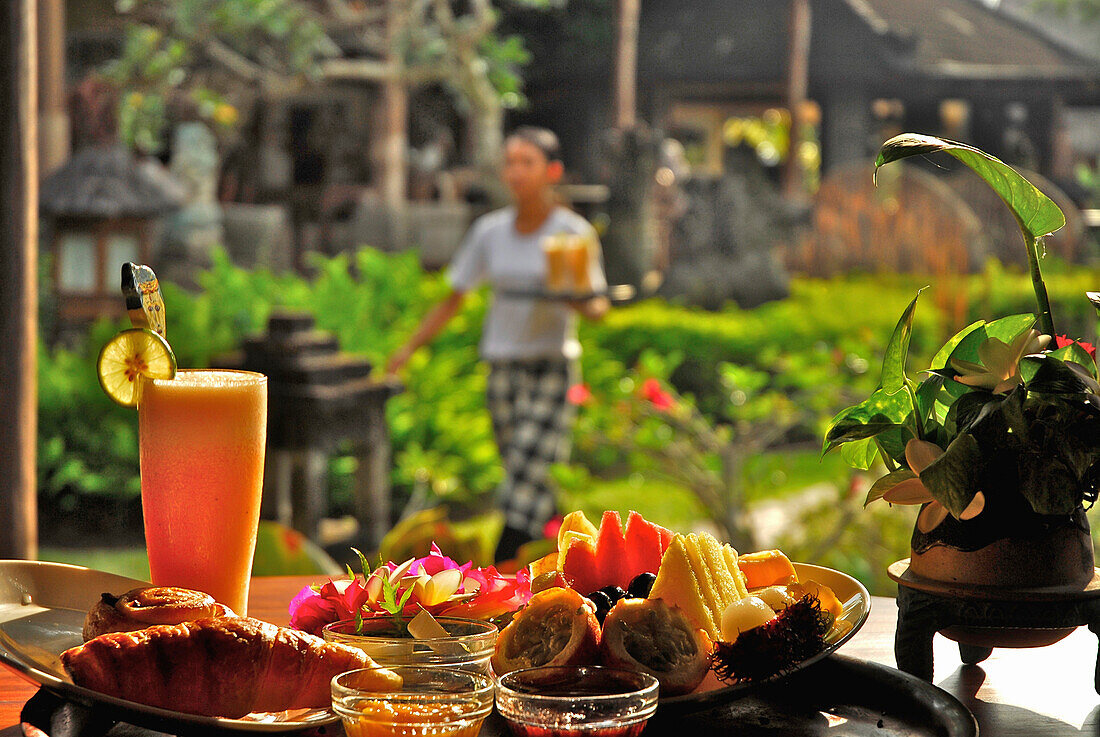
[530, 343]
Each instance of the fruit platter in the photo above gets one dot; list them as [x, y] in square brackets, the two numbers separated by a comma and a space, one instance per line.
[708, 623]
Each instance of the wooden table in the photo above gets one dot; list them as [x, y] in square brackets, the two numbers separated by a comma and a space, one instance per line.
[1044, 691]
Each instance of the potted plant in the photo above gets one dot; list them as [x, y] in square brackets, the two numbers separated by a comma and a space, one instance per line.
[999, 442]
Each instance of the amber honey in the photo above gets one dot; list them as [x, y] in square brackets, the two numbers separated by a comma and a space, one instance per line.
[381, 718]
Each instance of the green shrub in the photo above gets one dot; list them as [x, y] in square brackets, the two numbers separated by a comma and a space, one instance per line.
[820, 345]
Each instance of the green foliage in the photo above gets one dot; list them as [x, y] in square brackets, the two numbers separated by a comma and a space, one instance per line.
[790, 364]
[206, 53]
[1036, 213]
[1001, 414]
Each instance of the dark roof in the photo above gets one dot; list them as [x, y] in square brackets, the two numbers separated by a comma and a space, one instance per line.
[745, 41]
[108, 182]
[967, 39]
[1063, 28]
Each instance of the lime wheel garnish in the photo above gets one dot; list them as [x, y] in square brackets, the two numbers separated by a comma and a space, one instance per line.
[130, 355]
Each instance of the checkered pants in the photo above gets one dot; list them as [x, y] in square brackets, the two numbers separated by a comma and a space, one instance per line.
[532, 422]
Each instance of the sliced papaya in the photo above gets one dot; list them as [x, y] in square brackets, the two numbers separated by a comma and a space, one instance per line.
[825, 596]
[766, 568]
[574, 522]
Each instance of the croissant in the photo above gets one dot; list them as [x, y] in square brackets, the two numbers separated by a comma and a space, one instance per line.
[142, 607]
[217, 667]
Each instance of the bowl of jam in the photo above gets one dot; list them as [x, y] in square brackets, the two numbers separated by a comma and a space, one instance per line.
[576, 701]
[433, 701]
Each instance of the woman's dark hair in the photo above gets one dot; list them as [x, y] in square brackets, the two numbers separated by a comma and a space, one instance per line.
[543, 139]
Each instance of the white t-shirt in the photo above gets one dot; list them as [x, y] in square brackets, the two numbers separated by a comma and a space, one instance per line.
[521, 328]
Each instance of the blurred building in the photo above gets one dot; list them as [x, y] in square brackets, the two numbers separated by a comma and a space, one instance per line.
[966, 69]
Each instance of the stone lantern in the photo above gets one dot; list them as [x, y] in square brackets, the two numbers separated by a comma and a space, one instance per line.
[99, 209]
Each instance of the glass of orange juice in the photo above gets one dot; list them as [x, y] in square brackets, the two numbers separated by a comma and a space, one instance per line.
[577, 257]
[202, 437]
[557, 275]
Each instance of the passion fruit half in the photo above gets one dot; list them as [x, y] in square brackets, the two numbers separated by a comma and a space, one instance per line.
[649, 636]
[557, 627]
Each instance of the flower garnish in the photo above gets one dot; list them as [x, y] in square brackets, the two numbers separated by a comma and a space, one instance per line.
[435, 583]
[999, 370]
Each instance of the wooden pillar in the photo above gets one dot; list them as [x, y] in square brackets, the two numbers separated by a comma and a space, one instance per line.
[798, 79]
[628, 13]
[53, 115]
[372, 476]
[846, 126]
[18, 278]
[395, 104]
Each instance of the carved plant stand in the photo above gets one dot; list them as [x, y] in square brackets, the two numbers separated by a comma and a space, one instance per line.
[980, 618]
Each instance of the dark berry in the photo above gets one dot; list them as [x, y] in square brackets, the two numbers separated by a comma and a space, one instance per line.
[602, 602]
[614, 593]
[641, 585]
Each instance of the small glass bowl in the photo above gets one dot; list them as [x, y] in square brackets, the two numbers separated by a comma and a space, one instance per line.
[576, 700]
[469, 646]
[433, 702]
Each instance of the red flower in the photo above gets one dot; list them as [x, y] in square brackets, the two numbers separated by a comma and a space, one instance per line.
[313, 608]
[658, 397]
[1062, 341]
[550, 529]
[578, 394]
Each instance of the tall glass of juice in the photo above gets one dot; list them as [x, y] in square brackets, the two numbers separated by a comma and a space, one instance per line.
[202, 437]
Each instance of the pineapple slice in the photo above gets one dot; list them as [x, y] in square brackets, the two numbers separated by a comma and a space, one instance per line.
[739, 580]
[700, 575]
[678, 585]
[725, 584]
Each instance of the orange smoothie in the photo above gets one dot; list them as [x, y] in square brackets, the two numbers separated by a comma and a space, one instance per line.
[202, 438]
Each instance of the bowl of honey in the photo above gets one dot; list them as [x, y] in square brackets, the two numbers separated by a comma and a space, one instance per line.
[432, 701]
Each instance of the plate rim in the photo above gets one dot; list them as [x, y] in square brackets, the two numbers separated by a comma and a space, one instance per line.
[697, 701]
[89, 697]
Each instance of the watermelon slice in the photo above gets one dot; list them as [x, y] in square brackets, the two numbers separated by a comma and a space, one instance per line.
[645, 544]
[611, 554]
[612, 558]
[579, 568]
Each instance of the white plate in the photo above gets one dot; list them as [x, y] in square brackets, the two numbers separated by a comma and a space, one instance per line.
[42, 607]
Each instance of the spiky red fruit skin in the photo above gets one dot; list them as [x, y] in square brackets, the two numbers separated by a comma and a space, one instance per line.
[537, 622]
[795, 634]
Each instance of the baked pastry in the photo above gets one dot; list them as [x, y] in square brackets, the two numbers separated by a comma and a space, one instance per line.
[143, 607]
[224, 667]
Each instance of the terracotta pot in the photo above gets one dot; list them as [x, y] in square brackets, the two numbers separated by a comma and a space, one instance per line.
[1009, 557]
[1053, 552]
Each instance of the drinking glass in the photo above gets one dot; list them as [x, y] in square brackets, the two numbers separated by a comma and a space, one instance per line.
[202, 437]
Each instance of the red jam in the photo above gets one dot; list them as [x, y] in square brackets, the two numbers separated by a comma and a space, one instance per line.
[530, 730]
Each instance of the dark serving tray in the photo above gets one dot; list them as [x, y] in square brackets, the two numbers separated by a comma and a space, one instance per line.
[838, 696]
[615, 293]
